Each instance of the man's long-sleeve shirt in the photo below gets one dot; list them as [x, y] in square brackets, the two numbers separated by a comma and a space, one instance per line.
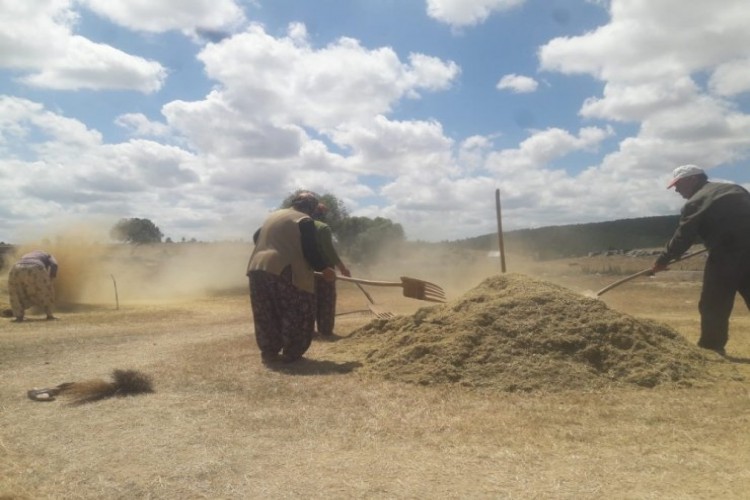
[719, 214]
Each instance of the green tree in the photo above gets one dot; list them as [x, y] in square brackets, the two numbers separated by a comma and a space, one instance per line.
[376, 236]
[137, 231]
[337, 211]
[362, 239]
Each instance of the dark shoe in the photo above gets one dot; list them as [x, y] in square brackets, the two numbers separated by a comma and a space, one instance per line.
[286, 358]
[718, 350]
[270, 358]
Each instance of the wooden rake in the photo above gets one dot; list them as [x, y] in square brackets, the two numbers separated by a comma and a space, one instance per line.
[413, 287]
[380, 314]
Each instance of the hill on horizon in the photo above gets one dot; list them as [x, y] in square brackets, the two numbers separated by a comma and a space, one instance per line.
[576, 240]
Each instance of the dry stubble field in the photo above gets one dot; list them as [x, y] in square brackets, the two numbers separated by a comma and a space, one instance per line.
[221, 425]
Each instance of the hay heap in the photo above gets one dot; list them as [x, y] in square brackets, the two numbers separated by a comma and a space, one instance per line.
[514, 333]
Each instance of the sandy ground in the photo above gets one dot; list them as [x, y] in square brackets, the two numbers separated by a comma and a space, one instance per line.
[221, 425]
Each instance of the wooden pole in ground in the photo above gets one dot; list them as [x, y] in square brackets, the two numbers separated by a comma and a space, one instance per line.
[500, 244]
[117, 297]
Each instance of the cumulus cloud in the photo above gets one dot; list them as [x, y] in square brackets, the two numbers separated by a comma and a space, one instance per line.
[731, 78]
[278, 111]
[390, 148]
[54, 165]
[62, 60]
[654, 40]
[138, 124]
[286, 111]
[518, 84]
[539, 151]
[458, 13]
[289, 81]
[652, 58]
[112, 69]
[191, 17]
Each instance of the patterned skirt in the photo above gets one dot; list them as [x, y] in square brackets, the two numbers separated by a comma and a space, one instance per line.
[30, 285]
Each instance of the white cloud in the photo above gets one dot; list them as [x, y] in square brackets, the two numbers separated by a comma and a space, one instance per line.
[731, 78]
[538, 152]
[284, 113]
[458, 13]
[652, 57]
[53, 166]
[285, 80]
[654, 40]
[62, 60]
[636, 101]
[473, 151]
[87, 65]
[54, 18]
[390, 148]
[22, 119]
[517, 83]
[139, 125]
[187, 16]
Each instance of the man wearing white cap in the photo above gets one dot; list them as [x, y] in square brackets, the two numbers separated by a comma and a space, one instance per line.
[719, 215]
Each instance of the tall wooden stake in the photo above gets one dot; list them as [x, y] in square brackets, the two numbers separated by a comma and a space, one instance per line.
[500, 244]
[117, 297]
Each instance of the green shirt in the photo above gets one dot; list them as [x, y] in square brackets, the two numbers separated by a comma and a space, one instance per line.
[325, 243]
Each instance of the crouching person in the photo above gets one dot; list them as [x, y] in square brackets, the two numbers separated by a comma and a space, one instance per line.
[30, 284]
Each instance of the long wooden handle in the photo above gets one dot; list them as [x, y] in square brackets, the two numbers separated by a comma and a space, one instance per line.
[624, 280]
[369, 282]
[367, 294]
[645, 272]
[365, 282]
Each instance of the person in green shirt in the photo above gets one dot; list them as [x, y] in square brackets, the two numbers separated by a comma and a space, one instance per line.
[325, 291]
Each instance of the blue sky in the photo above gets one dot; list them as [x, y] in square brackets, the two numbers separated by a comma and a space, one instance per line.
[202, 116]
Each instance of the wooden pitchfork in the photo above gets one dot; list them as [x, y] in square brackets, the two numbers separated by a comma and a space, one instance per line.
[413, 288]
[371, 305]
[646, 272]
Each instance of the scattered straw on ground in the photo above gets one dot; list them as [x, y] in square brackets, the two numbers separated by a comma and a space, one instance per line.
[514, 333]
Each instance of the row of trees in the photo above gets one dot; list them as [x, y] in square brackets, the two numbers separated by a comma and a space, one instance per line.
[361, 239]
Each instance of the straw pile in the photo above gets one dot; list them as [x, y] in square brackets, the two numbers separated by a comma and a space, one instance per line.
[514, 333]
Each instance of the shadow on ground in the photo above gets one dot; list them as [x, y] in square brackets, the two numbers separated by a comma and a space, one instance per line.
[314, 367]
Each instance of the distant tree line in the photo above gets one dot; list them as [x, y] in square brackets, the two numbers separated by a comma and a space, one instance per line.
[577, 240]
[363, 239]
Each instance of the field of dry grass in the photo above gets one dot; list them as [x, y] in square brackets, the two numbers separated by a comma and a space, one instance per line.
[221, 425]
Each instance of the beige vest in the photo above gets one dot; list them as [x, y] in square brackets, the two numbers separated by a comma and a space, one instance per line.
[280, 245]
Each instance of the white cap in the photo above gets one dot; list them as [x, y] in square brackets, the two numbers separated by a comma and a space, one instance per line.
[684, 171]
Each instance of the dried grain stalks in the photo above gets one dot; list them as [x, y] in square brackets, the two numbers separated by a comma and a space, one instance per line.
[124, 383]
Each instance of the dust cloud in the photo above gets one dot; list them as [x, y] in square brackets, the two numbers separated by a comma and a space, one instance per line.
[456, 270]
[95, 273]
